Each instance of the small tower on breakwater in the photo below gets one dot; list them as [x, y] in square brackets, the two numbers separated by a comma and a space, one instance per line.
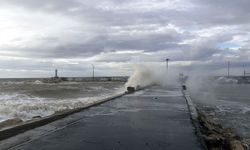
[56, 73]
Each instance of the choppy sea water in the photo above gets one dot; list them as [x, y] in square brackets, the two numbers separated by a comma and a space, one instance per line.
[25, 99]
[227, 103]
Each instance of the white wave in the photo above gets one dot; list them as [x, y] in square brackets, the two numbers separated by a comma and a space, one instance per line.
[12, 82]
[224, 106]
[225, 80]
[67, 87]
[97, 88]
[25, 107]
[69, 83]
[37, 82]
[245, 109]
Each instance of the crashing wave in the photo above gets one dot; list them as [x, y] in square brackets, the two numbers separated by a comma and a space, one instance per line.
[226, 80]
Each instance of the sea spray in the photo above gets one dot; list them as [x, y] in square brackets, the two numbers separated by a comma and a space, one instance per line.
[145, 75]
[142, 76]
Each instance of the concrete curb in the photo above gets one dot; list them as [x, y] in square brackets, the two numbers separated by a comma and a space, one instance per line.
[191, 106]
[25, 126]
[194, 117]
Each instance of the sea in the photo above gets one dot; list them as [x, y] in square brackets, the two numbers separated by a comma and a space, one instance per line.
[28, 98]
[229, 104]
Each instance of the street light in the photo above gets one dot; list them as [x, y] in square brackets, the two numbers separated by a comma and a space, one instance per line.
[56, 73]
[93, 72]
[244, 70]
[167, 63]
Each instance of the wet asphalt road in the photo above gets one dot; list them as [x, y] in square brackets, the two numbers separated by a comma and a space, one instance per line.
[153, 119]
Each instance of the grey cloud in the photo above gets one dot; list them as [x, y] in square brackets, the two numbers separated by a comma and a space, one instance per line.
[63, 51]
[204, 13]
[153, 42]
[129, 29]
[45, 5]
[221, 12]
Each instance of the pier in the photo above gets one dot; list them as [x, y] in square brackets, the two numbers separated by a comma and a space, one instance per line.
[153, 118]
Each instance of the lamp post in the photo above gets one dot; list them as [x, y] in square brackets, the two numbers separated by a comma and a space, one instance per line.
[228, 68]
[244, 70]
[93, 72]
[167, 63]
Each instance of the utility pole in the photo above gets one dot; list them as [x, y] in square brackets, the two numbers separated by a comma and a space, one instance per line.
[93, 72]
[167, 63]
[228, 68]
[244, 71]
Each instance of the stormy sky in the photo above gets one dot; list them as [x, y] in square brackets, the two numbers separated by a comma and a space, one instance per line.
[37, 36]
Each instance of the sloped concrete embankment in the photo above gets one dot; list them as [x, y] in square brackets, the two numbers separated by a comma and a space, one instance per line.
[212, 134]
[17, 126]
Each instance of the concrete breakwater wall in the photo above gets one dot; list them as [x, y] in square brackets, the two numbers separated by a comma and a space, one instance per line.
[211, 133]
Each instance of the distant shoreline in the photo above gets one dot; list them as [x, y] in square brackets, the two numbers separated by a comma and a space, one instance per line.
[75, 79]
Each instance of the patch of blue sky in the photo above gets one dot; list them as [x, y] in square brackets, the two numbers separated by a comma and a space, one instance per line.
[228, 45]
